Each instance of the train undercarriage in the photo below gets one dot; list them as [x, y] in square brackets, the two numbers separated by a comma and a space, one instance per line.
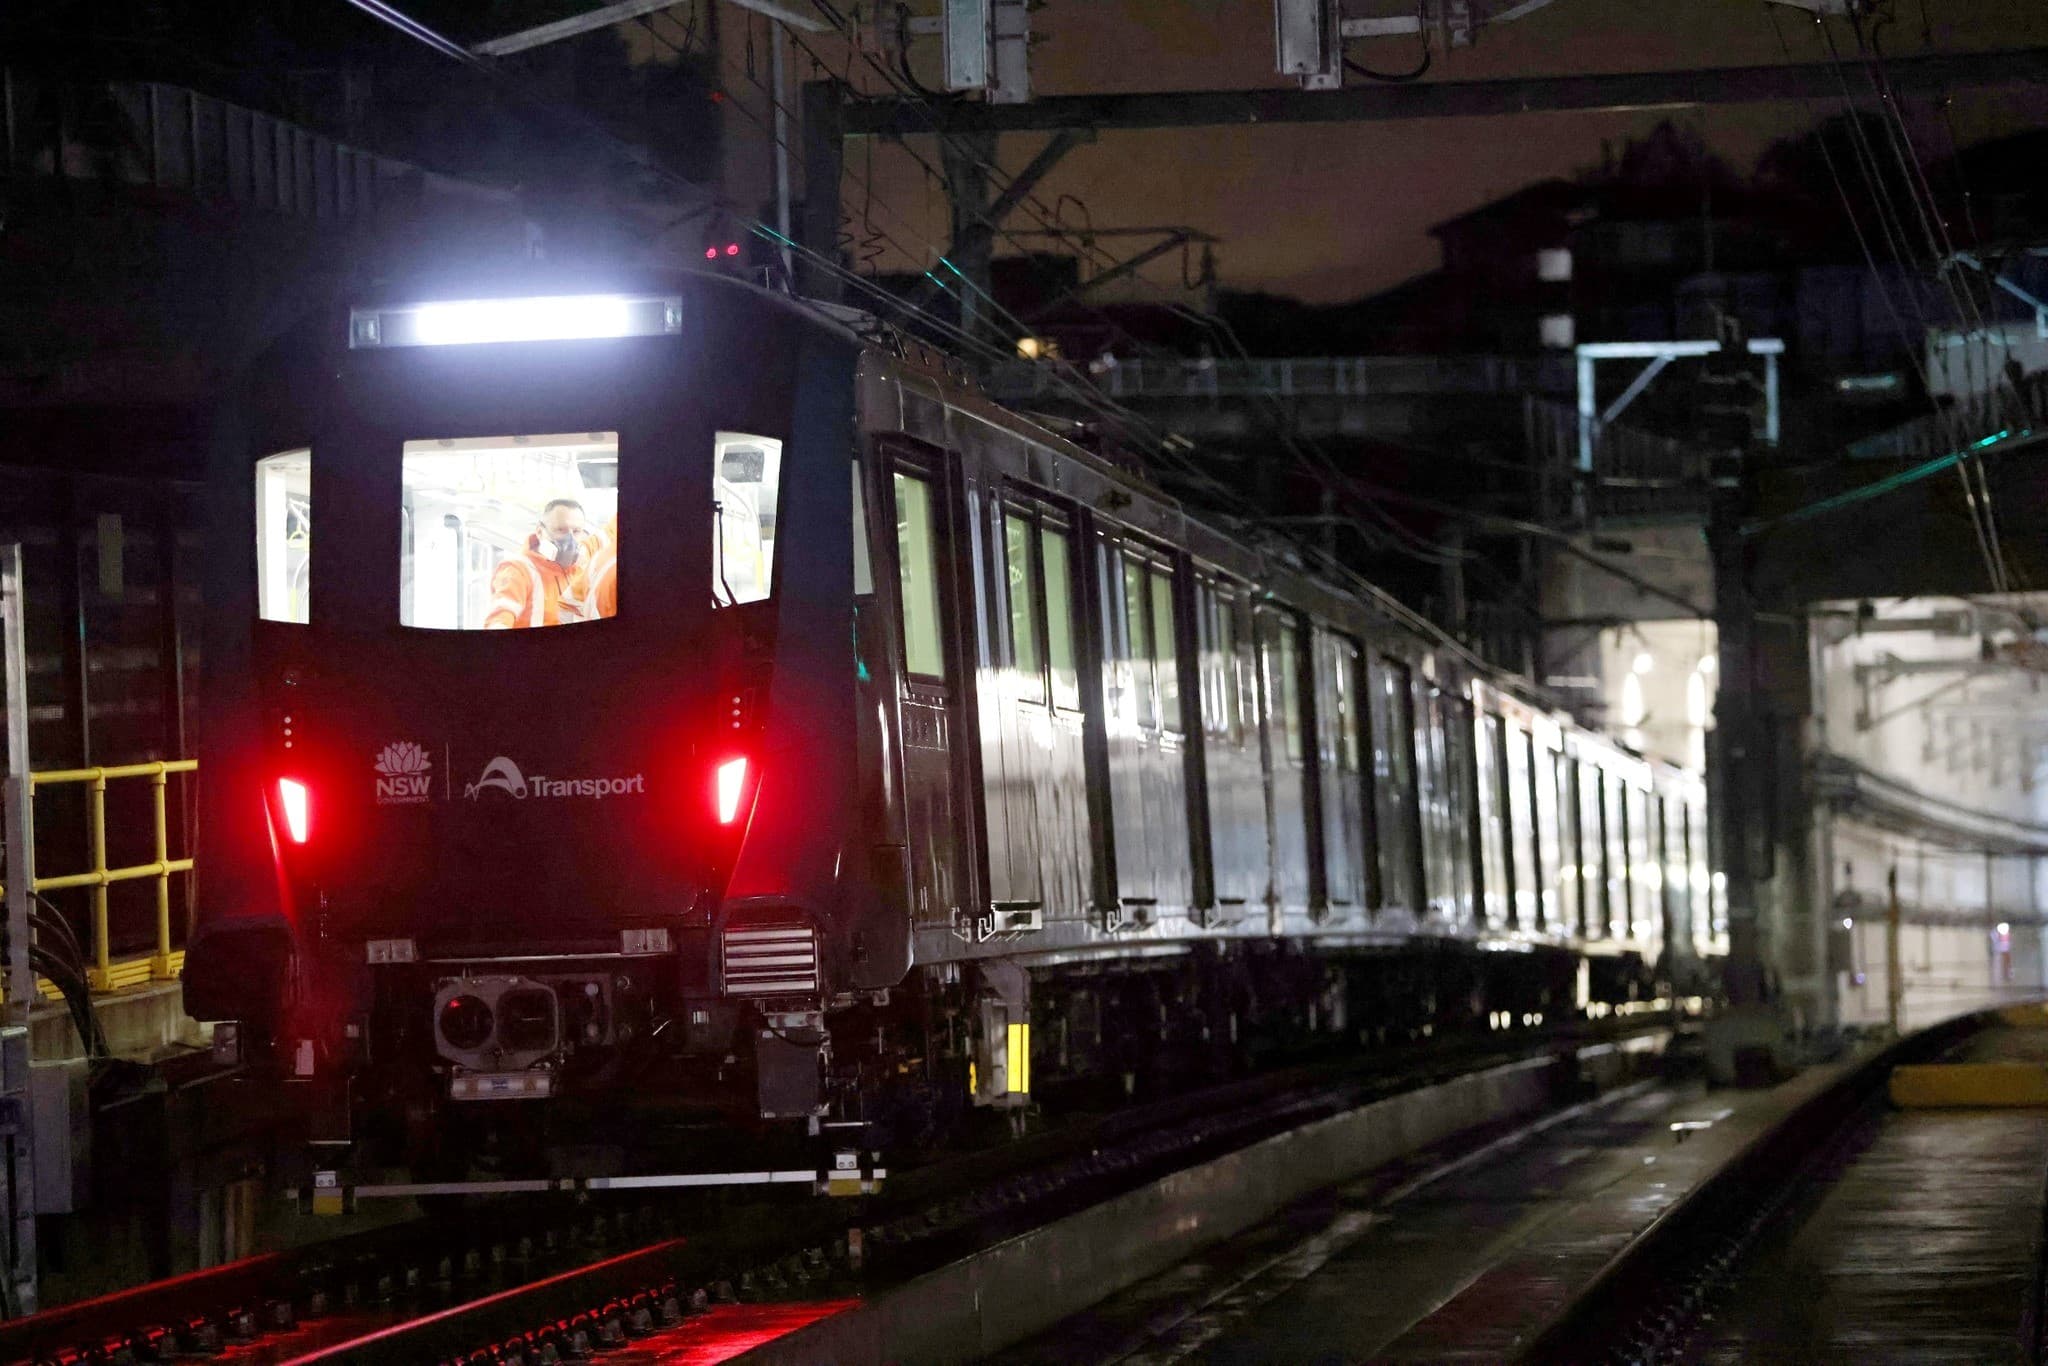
[952, 1056]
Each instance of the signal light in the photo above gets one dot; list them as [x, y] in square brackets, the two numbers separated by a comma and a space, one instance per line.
[711, 253]
[296, 801]
[732, 779]
[732, 248]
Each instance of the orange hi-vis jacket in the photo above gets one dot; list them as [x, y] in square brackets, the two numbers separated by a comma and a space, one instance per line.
[530, 589]
[604, 573]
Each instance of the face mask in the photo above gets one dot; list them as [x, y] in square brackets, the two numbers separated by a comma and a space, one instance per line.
[566, 550]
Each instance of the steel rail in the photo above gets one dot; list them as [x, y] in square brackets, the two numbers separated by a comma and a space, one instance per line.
[920, 1218]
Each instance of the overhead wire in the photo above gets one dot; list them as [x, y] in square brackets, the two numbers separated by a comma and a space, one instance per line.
[1892, 224]
[1321, 468]
[1330, 475]
[1962, 299]
[1165, 446]
[1120, 419]
[1942, 244]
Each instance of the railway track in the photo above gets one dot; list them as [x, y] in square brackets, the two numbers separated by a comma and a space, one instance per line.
[540, 1281]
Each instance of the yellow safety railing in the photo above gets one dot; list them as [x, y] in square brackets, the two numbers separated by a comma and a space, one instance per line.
[163, 964]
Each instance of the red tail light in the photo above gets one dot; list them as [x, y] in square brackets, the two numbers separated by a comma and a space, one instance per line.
[732, 783]
[297, 804]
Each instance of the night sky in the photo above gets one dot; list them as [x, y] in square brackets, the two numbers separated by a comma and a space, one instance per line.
[1330, 212]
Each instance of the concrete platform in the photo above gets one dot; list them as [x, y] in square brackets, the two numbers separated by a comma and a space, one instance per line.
[986, 1301]
[1925, 1246]
[140, 1022]
[1464, 1261]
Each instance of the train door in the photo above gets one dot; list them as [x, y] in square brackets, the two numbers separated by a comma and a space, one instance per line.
[880, 780]
[1496, 839]
[1593, 891]
[1620, 899]
[1013, 705]
[1446, 805]
[1280, 670]
[1550, 854]
[1395, 787]
[926, 672]
[1675, 907]
[1337, 752]
[1646, 921]
[1235, 771]
[1041, 731]
[1525, 862]
[1145, 723]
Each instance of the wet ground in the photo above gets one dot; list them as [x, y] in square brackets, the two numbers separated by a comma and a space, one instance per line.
[1923, 1247]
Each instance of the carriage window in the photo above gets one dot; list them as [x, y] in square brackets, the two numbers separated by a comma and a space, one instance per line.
[1059, 617]
[1217, 617]
[1023, 596]
[747, 476]
[1138, 641]
[1165, 657]
[1394, 786]
[284, 529]
[507, 532]
[917, 565]
[1284, 687]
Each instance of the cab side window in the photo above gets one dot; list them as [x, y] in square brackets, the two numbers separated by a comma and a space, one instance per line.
[917, 565]
[1022, 589]
[284, 535]
[746, 482]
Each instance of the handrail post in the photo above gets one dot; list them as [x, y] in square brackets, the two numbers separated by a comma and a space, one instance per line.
[19, 1243]
[160, 965]
[20, 801]
[102, 975]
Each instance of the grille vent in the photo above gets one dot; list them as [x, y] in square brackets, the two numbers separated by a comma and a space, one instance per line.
[771, 960]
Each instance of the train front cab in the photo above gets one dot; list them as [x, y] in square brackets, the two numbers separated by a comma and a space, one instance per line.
[536, 860]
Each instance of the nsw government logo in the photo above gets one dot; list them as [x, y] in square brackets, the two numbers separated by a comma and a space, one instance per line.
[404, 775]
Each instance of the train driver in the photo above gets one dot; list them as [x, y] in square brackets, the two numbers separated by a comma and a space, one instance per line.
[604, 572]
[547, 583]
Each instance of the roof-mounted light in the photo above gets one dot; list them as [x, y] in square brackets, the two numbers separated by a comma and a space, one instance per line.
[559, 317]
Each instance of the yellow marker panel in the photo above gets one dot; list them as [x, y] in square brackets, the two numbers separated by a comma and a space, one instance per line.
[1959, 1085]
[1019, 1059]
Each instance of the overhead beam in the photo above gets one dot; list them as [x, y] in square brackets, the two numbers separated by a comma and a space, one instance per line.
[625, 11]
[1623, 93]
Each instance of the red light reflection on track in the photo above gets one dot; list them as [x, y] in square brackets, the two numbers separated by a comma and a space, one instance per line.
[723, 1333]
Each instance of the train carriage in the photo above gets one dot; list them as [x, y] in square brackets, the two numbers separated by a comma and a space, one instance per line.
[901, 710]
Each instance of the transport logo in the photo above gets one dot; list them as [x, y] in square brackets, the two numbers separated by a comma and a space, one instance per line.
[404, 774]
[502, 774]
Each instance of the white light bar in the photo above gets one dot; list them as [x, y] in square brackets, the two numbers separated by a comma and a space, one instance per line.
[560, 317]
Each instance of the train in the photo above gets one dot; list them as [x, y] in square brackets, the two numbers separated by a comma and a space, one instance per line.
[919, 760]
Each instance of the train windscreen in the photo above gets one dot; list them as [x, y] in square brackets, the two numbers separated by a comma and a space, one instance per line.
[510, 532]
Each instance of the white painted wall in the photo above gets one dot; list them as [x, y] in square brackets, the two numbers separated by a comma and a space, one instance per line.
[1977, 738]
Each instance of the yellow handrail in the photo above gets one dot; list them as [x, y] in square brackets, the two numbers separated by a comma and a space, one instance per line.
[100, 877]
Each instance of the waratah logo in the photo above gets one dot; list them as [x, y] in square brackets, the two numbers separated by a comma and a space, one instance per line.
[404, 775]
